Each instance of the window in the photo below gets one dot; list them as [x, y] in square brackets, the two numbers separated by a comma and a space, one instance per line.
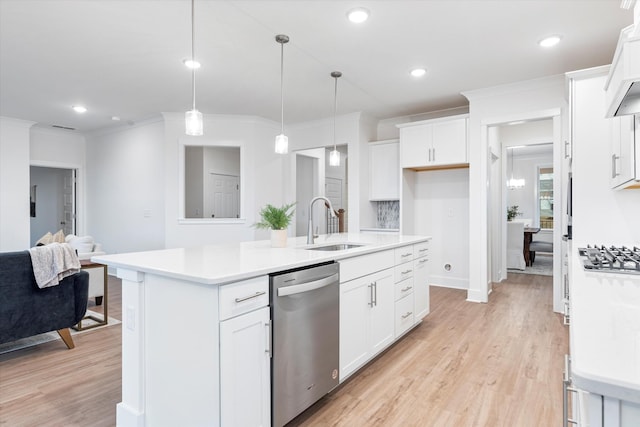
[545, 197]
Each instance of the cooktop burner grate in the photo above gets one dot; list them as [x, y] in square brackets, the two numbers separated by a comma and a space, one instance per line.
[614, 259]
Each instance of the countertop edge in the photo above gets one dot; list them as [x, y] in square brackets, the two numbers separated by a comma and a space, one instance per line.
[114, 262]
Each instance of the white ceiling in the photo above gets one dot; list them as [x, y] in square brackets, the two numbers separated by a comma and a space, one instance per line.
[123, 57]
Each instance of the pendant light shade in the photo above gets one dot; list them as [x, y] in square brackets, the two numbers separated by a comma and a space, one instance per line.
[193, 118]
[334, 155]
[282, 142]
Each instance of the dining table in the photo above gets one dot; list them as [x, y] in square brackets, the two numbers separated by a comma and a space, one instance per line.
[528, 237]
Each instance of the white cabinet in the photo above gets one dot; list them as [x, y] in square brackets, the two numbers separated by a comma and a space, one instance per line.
[245, 362]
[245, 370]
[434, 143]
[366, 319]
[421, 280]
[384, 170]
[625, 151]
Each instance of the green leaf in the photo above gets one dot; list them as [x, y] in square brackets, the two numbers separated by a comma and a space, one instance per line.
[276, 218]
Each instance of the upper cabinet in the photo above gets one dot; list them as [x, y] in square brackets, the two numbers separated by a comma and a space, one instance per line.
[436, 143]
[384, 171]
[625, 152]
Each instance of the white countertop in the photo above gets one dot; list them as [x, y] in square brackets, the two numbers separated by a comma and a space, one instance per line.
[605, 332]
[224, 263]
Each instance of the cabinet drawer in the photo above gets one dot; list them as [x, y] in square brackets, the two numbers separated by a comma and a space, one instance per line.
[404, 288]
[403, 271]
[421, 249]
[243, 297]
[404, 315]
[403, 254]
[352, 268]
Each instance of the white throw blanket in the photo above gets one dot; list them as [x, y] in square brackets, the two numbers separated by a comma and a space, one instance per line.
[53, 262]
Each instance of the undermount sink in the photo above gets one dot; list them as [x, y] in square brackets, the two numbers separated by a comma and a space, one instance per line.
[335, 247]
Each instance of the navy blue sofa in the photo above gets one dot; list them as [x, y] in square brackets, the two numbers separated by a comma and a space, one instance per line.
[27, 310]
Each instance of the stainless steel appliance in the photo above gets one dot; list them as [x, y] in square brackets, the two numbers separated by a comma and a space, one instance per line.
[612, 259]
[305, 314]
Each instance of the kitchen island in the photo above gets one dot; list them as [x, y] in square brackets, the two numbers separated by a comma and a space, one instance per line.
[196, 325]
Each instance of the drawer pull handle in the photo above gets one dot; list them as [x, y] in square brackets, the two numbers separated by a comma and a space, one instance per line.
[256, 295]
[422, 261]
[423, 250]
[409, 313]
[406, 272]
[408, 288]
[406, 255]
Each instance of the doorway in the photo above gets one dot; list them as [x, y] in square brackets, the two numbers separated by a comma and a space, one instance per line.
[529, 145]
[53, 201]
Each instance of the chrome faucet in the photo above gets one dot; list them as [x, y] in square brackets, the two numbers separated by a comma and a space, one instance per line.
[310, 235]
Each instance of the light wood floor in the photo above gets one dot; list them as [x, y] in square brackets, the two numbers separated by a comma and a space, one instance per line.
[467, 364]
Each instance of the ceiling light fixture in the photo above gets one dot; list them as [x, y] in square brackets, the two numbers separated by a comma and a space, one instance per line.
[550, 41]
[334, 155]
[191, 63]
[79, 109]
[513, 183]
[418, 72]
[358, 15]
[193, 118]
[282, 142]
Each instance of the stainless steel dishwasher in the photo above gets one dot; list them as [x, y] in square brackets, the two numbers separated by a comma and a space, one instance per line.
[305, 315]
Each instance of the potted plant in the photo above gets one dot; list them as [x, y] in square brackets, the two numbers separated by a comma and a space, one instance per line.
[277, 220]
[512, 212]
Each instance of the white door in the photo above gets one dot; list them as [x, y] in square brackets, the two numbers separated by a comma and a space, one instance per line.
[222, 195]
[382, 313]
[245, 370]
[449, 142]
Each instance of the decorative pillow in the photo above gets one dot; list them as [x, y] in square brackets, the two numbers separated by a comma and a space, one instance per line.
[82, 244]
[70, 237]
[58, 237]
[45, 240]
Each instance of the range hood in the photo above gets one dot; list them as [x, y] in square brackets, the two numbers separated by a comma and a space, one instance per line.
[622, 90]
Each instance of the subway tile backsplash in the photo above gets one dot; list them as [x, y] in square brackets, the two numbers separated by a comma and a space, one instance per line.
[388, 214]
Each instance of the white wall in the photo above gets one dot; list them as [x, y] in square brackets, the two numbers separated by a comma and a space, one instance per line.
[494, 106]
[261, 180]
[59, 148]
[14, 184]
[354, 130]
[441, 210]
[125, 188]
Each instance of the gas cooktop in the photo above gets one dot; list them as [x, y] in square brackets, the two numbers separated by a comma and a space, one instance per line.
[612, 259]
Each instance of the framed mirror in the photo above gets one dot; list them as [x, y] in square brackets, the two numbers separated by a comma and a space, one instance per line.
[211, 185]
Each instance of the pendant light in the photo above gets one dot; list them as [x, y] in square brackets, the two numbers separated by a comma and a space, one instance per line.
[282, 142]
[193, 118]
[513, 183]
[334, 155]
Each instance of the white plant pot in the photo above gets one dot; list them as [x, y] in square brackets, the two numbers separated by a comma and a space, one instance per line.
[278, 238]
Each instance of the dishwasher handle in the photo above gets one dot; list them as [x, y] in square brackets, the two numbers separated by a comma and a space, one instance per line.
[309, 286]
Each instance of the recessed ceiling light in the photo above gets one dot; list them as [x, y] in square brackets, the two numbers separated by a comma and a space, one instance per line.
[115, 118]
[79, 109]
[191, 64]
[550, 41]
[418, 72]
[358, 15]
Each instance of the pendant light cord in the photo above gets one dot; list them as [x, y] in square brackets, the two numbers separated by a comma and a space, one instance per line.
[282, 88]
[193, 55]
[335, 111]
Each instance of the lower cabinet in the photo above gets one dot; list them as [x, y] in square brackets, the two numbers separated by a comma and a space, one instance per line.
[245, 370]
[366, 319]
[421, 280]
